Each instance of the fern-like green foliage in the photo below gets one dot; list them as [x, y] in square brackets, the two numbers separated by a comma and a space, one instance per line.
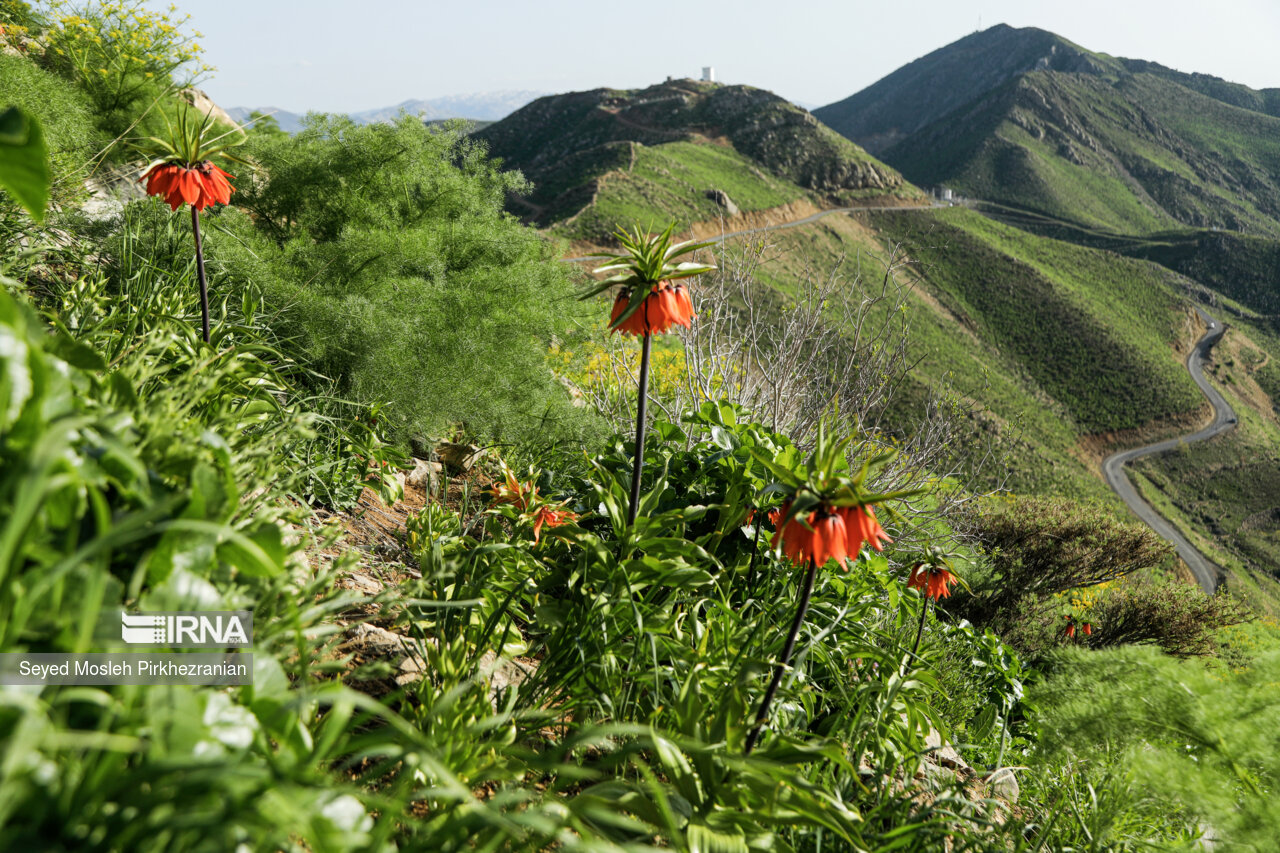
[385, 258]
[62, 112]
[1205, 742]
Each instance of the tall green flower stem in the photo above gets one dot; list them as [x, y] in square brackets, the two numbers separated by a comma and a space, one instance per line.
[204, 284]
[641, 409]
[651, 300]
[785, 659]
[181, 171]
[924, 611]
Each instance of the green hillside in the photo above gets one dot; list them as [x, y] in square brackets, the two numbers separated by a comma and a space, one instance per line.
[681, 149]
[1024, 118]
[1121, 156]
[1053, 344]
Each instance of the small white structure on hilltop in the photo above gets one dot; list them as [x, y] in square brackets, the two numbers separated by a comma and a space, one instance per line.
[708, 74]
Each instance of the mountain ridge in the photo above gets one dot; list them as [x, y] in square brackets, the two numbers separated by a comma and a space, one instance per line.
[1025, 118]
[697, 146]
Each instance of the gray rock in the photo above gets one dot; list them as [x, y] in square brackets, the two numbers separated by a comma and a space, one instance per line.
[425, 476]
[721, 198]
[111, 188]
[1003, 784]
[944, 754]
[423, 448]
[204, 105]
[458, 458]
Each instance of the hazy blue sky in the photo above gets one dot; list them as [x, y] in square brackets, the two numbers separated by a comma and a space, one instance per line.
[348, 56]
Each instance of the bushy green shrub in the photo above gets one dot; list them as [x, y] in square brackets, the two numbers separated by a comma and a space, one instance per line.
[386, 261]
[64, 115]
[1201, 743]
[1050, 558]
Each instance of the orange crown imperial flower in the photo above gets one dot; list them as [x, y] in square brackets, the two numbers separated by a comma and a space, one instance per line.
[666, 305]
[182, 170]
[551, 517]
[933, 581]
[514, 492]
[829, 513]
[829, 534]
[652, 298]
[199, 186]
[524, 497]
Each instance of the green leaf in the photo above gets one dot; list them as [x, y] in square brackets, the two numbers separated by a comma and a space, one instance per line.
[75, 353]
[24, 161]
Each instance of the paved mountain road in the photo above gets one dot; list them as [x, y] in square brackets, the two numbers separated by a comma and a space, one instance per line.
[1224, 419]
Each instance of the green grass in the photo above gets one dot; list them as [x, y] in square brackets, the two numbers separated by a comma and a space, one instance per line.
[1089, 330]
[665, 182]
[1048, 340]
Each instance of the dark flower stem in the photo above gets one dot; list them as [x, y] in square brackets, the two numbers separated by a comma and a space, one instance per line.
[924, 611]
[641, 408]
[204, 285]
[755, 552]
[801, 610]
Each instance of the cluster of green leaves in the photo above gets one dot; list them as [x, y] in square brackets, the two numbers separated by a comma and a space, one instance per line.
[385, 261]
[124, 461]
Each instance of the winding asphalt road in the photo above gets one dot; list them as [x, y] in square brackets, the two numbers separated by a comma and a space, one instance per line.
[1207, 572]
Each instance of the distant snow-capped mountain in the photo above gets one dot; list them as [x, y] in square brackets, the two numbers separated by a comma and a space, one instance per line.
[483, 106]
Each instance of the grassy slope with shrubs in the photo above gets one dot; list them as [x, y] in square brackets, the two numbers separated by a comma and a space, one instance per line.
[673, 178]
[128, 446]
[1051, 341]
[1092, 331]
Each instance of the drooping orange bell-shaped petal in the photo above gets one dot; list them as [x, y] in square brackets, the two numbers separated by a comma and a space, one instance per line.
[796, 539]
[940, 581]
[636, 323]
[216, 189]
[932, 581]
[189, 187]
[829, 539]
[665, 306]
[862, 524]
[684, 303]
[551, 518]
